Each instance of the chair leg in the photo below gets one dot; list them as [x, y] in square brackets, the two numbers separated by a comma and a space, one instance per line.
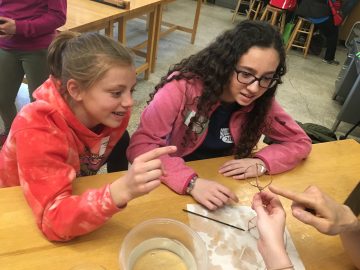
[274, 18]
[258, 8]
[251, 6]
[308, 40]
[236, 10]
[282, 22]
[293, 35]
[263, 16]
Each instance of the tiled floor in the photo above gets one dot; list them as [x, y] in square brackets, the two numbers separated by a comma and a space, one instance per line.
[307, 89]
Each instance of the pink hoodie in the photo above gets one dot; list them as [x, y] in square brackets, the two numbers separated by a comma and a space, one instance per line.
[47, 148]
[163, 123]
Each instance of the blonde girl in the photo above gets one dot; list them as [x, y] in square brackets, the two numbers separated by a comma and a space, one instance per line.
[77, 124]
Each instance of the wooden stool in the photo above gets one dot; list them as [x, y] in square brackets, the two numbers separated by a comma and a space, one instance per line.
[277, 17]
[236, 10]
[306, 28]
[254, 9]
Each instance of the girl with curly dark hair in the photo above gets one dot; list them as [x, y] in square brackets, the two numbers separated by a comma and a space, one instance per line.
[219, 102]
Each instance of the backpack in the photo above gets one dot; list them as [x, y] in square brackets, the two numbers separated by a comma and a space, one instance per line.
[335, 8]
[284, 4]
[318, 133]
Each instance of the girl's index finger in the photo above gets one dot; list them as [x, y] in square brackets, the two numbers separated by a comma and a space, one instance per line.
[291, 195]
[156, 153]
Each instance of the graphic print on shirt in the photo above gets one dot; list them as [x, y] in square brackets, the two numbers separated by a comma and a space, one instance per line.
[225, 135]
[89, 162]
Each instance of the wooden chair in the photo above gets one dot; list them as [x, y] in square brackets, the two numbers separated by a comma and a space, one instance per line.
[277, 17]
[302, 28]
[255, 9]
[236, 10]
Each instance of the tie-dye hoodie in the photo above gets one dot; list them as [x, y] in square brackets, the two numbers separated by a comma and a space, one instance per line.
[47, 148]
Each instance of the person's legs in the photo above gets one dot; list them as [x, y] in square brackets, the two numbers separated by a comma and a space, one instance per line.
[117, 160]
[36, 69]
[11, 76]
[331, 32]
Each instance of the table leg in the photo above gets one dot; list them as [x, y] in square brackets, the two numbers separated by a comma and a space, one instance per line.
[157, 30]
[196, 21]
[122, 30]
[110, 29]
[151, 41]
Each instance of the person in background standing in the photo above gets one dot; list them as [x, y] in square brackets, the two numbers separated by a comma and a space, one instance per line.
[27, 28]
[319, 13]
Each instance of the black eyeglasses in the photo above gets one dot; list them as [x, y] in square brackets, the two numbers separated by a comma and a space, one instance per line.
[264, 81]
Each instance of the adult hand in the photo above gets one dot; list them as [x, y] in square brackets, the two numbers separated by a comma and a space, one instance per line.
[211, 194]
[271, 226]
[236, 168]
[317, 209]
[7, 27]
[142, 177]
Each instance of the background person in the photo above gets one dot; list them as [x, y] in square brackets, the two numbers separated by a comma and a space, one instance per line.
[319, 13]
[26, 29]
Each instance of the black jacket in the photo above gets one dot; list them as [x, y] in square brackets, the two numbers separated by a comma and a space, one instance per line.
[313, 9]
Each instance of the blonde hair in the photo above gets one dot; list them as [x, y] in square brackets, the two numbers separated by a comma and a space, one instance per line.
[85, 57]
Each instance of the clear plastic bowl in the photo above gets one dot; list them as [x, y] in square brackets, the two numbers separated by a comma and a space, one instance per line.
[163, 244]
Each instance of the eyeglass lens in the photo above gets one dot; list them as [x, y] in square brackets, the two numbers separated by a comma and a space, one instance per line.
[248, 78]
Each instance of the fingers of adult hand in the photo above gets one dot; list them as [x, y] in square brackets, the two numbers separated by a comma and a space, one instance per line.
[257, 204]
[308, 218]
[271, 199]
[291, 195]
[156, 153]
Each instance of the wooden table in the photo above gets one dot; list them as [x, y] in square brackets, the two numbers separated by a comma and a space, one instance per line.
[86, 15]
[332, 166]
[173, 27]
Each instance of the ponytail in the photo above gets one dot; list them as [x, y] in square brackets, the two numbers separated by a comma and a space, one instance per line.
[85, 57]
[55, 52]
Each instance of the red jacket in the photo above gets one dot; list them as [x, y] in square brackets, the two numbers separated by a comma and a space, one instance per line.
[163, 123]
[47, 148]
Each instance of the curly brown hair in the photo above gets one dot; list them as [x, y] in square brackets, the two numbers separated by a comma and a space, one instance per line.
[214, 66]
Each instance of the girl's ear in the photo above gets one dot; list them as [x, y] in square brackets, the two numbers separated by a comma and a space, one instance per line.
[74, 89]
